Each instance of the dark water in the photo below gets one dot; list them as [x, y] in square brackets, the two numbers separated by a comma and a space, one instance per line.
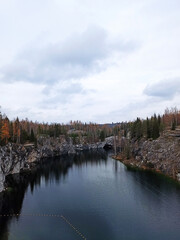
[97, 195]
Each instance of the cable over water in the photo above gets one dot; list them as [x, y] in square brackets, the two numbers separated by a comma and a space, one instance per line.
[47, 215]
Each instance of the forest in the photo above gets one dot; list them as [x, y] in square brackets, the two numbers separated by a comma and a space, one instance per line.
[26, 131]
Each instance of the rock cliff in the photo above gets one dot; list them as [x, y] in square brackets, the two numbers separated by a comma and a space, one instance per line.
[162, 155]
[16, 158]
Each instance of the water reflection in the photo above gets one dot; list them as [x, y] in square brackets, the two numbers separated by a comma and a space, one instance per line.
[99, 195]
[49, 170]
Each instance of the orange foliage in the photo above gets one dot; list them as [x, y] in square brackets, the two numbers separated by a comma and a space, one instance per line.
[5, 135]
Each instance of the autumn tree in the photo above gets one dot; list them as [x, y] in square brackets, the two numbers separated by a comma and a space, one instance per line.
[5, 135]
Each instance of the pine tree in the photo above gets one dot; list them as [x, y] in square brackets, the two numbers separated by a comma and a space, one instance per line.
[32, 137]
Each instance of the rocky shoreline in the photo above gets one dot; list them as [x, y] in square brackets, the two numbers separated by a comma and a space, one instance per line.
[15, 158]
[161, 155]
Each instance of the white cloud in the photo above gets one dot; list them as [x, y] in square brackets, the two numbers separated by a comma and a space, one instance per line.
[76, 57]
[90, 60]
[164, 89]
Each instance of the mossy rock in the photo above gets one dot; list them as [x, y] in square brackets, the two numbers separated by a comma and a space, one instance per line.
[9, 189]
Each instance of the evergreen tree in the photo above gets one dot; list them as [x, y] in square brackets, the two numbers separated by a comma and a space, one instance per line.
[32, 137]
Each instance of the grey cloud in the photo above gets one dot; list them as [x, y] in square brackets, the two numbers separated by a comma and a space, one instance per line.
[165, 89]
[75, 58]
[74, 88]
[144, 108]
[79, 49]
[62, 95]
[124, 45]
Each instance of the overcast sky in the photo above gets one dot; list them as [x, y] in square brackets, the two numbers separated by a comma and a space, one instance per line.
[100, 61]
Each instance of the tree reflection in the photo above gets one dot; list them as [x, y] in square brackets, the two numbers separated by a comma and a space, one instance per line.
[49, 170]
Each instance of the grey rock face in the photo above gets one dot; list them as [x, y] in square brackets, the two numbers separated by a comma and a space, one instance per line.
[14, 158]
[178, 177]
[162, 154]
[11, 161]
[2, 179]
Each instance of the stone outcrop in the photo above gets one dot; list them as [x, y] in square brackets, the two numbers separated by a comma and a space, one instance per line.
[109, 141]
[15, 158]
[162, 155]
[12, 159]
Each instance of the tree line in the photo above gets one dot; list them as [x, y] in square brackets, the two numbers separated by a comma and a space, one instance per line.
[24, 131]
[154, 126]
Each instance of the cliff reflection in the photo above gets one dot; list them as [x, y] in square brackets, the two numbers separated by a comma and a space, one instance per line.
[50, 170]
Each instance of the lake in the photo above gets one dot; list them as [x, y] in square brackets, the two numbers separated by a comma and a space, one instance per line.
[89, 196]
